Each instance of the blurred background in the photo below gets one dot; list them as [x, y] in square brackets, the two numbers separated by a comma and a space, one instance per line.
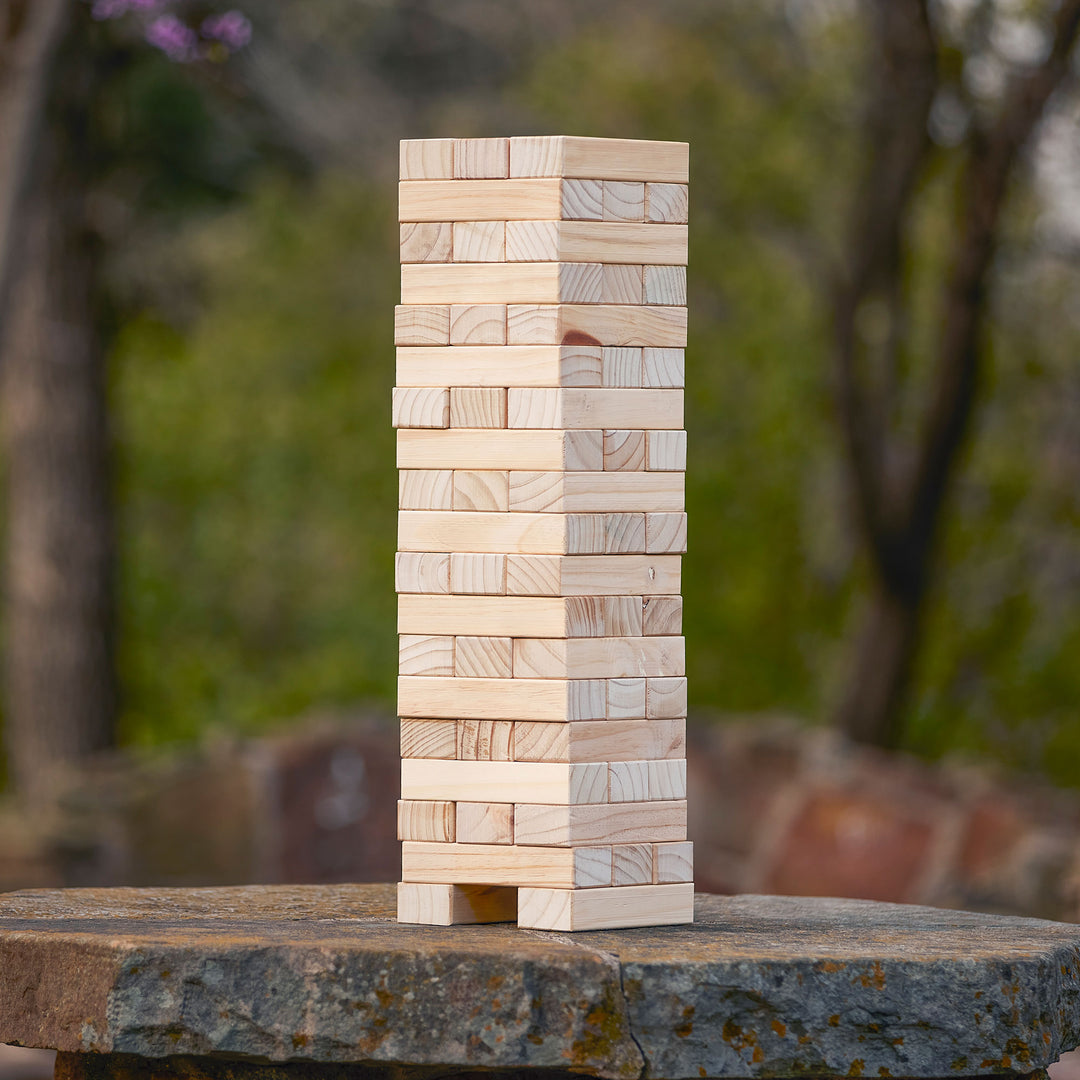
[198, 268]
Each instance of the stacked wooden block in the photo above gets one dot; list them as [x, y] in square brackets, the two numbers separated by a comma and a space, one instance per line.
[539, 405]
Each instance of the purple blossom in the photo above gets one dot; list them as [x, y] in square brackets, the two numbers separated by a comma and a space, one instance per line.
[173, 37]
[231, 28]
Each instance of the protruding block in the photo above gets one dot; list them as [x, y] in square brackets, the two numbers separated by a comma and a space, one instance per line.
[599, 823]
[571, 868]
[598, 740]
[422, 654]
[426, 820]
[429, 739]
[449, 905]
[485, 823]
[427, 159]
[504, 781]
[602, 909]
[422, 572]
[422, 324]
[477, 574]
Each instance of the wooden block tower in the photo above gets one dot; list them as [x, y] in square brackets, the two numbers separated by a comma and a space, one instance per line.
[539, 409]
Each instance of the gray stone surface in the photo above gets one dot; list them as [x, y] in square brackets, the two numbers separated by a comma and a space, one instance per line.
[756, 987]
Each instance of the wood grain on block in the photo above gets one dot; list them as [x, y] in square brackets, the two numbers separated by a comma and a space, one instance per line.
[557, 700]
[664, 284]
[572, 868]
[592, 324]
[478, 241]
[665, 698]
[598, 658]
[667, 779]
[504, 781]
[500, 449]
[621, 366]
[510, 365]
[432, 820]
[597, 740]
[624, 450]
[666, 451]
[485, 740]
[474, 324]
[479, 200]
[422, 572]
[582, 200]
[429, 739]
[626, 699]
[422, 324]
[426, 159]
[667, 203]
[484, 406]
[628, 781]
[663, 367]
[631, 864]
[661, 615]
[604, 492]
[485, 823]
[591, 575]
[623, 284]
[673, 862]
[481, 159]
[599, 823]
[665, 533]
[505, 616]
[624, 534]
[427, 241]
[480, 490]
[608, 242]
[477, 574]
[465, 532]
[583, 156]
[423, 654]
[482, 658]
[604, 909]
[502, 283]
[421, 407]
[588, 407]
[624, 200]
[454, 905]
[427, 489]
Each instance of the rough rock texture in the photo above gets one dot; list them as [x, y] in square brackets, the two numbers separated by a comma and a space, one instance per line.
[757, 986]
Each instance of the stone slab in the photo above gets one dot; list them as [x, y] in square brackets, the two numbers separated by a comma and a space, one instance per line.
[756, 987]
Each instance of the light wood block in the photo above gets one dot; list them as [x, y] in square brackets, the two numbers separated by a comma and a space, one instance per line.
[502, 283]
[604, 909]
[665, 698]
[624, 451]
[504, 616]
[478, 241]
[592, 575]
[484, 491]
[599, 658]
[511, 365]
[582, 200]
[485, 823]
[482, 658]
[626, 699]
[593, 408]
[556, 700]
[599, 823]
[665, 533]
[624, 200]
[484, 406]
[421, 572]
[580, 450]
[474, 324]
[429, 739]
[421, 407]
[426, 489]
[450, 905]
[597, 740]
[427, 159]
[628, 781]
[426, 820]
[477, 574]
[461, 531]
[667, 203]
[483, 200]
[476, 159]
[427, 324]
[592, 324]
[662, 615]
[667, 779]
[673, 862]
[422, 654]
[504, 781]
[623, 284]
[571, 868]
[666, 451]
[663, 367]
[605, 492]
[621, 366]
[427, 241]
[664, 284]
[632, 864]
[624, 534]
[485, 740]
[583, 156]
[608, 242]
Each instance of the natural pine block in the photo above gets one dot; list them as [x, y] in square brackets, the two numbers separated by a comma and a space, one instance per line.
[592, 575]
[475, 324]
[427, 241]
[621, 615]
[624, 534]
[501, 283]
[607, 492]
[481, 200]
[598, 658]
[626, 699]
[450, 905]
[421, 407]
[504, 781]
[421, 654]
[624, 450]
[487, 159]
[427, 820]
[427, 159]
[673, 862]
[664, 284]
[624, 200]
[485, 740]
[429, 739]
[485, 823]
[631, 864]
[425, 324]
[595, 324]
[663, 367]
[662, 615]
[482, 406]
[482, 658]
[572, 409]
[504, 616]
[621, 366]
[511, 365]
[426, 489]
[667, 779]
[668, 203]
[542, 908]
[608, 242]
[623, 284]
[666, 451]
[665, 532]
[481, 491]
[599, 823]
[628, 781]
[462, 531]
[557, 700]
[500, 449]
[665, 698]
[421, 572]
[583, 156]
[582, 200]
[477, 574]
[571, 868]
[597, 740]
[479, 241]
